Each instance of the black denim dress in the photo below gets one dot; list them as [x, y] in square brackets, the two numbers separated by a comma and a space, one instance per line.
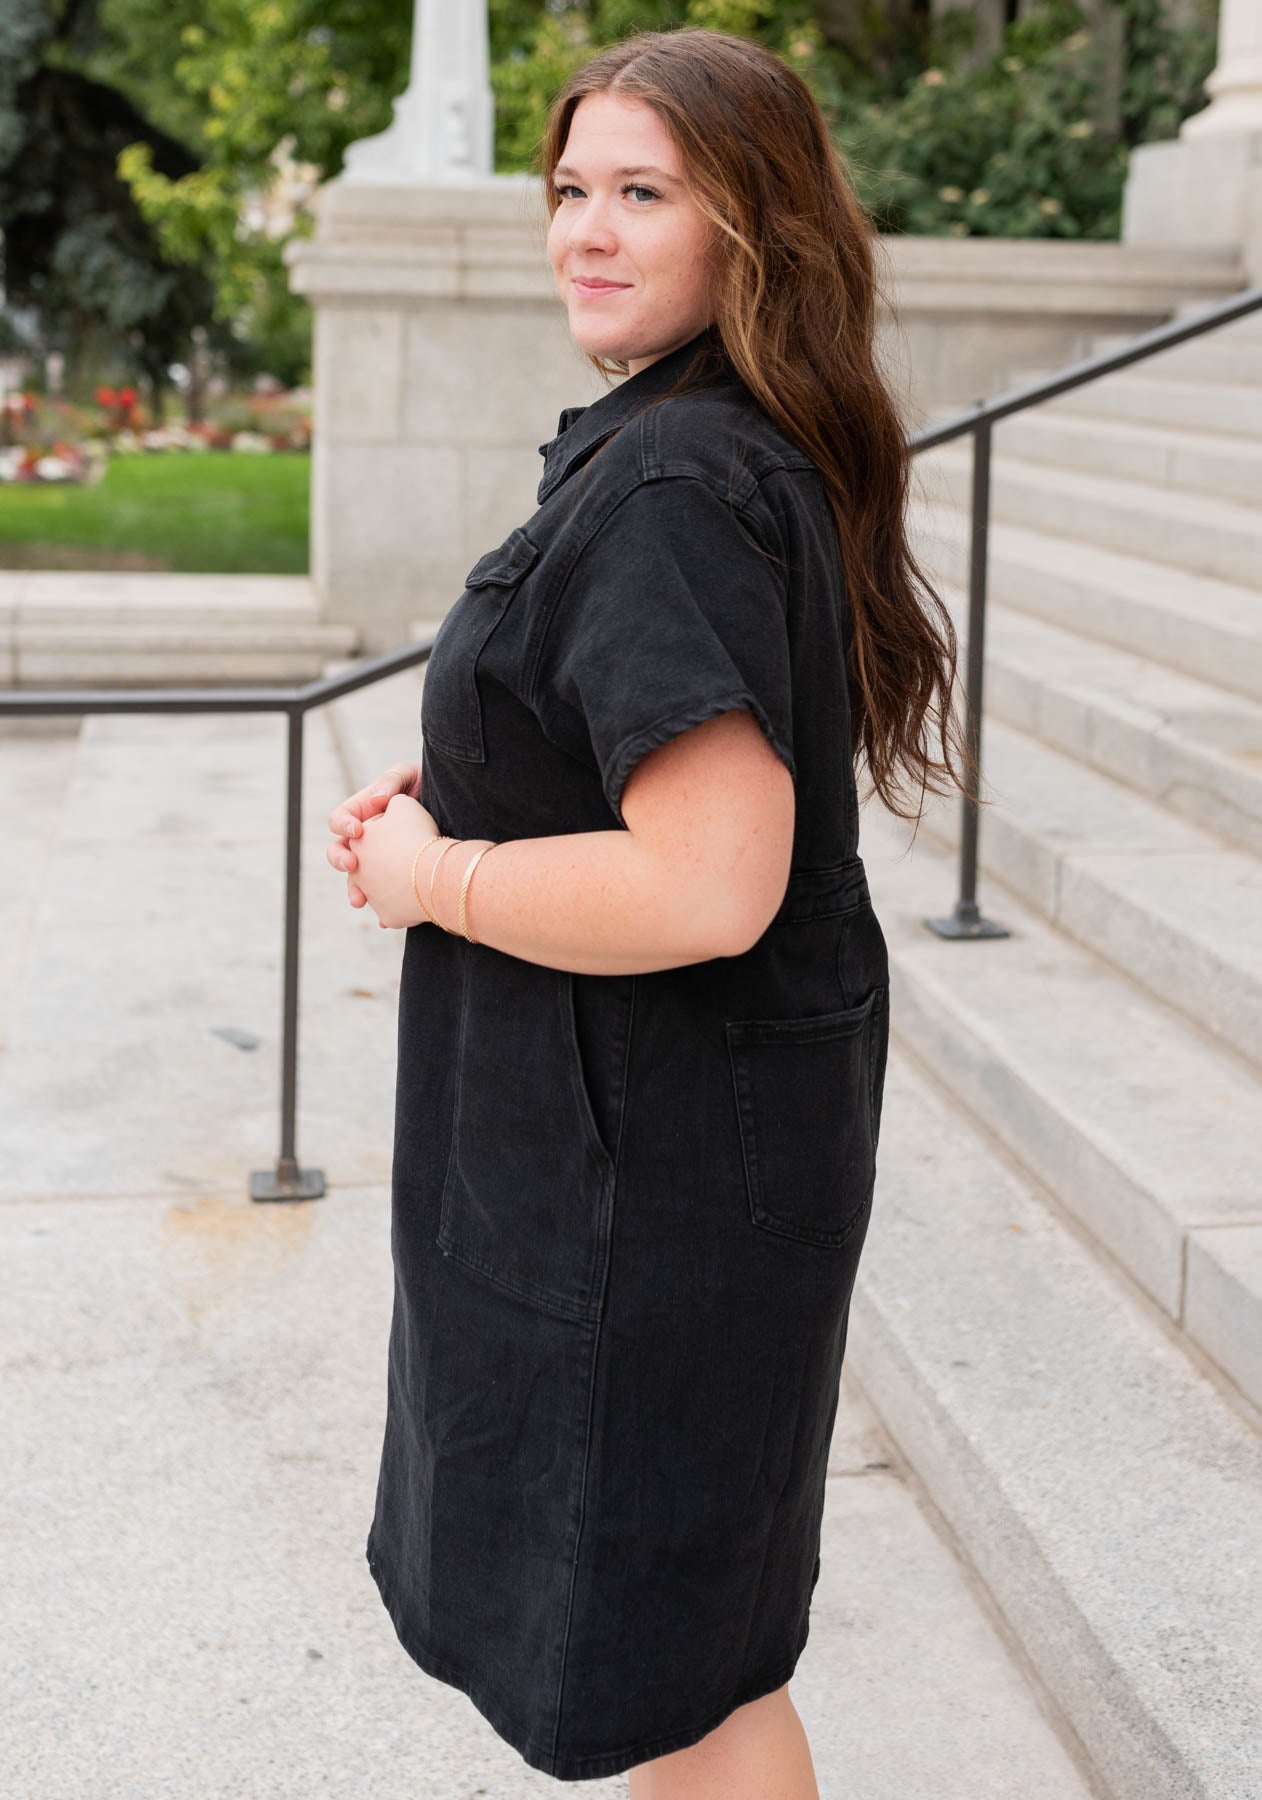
[628, 1210]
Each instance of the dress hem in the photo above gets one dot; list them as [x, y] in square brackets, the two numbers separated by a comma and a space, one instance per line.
[565, 1768]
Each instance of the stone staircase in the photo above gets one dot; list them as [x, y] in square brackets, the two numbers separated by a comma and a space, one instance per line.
[1059, 1314]
[124, 629]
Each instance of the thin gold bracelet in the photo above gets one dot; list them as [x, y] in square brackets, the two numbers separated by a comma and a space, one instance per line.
[428, 914]
[428, 910]
[433, 870]
[461, 913]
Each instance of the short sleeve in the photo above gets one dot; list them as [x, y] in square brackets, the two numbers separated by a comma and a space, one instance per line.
[672, 614]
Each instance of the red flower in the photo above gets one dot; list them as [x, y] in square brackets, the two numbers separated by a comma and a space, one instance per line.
[105, 396]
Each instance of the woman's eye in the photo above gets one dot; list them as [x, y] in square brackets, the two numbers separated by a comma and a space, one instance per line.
[562, 188]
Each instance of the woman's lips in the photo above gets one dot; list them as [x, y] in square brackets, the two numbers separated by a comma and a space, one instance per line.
[591, 290]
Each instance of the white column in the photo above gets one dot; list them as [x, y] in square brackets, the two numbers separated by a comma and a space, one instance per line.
[443, 129]
[1236, 84]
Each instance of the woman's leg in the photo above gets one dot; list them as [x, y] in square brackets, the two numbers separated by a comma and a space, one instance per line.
[759, 1752]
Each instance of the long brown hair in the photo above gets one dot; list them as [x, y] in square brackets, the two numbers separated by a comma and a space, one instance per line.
[795, 294]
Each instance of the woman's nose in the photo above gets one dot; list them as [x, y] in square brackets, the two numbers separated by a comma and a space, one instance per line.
[592, 229]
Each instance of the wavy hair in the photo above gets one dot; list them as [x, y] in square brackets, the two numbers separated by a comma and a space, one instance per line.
[795, 293]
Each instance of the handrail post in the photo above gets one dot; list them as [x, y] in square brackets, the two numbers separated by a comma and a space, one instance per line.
[287, 1181]
[966, 921]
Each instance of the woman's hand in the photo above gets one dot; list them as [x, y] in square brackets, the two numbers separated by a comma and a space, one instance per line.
[384, 855]
[347, 820]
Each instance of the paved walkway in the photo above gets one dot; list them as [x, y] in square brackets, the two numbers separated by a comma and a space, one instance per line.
[195, 1384]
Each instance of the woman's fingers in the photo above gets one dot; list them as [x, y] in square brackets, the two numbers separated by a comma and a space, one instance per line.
[402, 778]
[347, 819]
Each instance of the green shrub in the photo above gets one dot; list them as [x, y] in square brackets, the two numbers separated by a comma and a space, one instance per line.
[1015, 148]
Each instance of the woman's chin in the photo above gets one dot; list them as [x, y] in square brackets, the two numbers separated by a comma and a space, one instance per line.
[599, 338]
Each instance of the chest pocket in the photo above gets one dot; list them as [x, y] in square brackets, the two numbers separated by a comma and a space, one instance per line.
[451, 709]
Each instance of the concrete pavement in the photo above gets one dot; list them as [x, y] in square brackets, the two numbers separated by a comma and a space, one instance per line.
[195, 1384]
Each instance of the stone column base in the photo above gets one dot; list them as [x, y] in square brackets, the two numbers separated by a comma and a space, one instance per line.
[1201, 191]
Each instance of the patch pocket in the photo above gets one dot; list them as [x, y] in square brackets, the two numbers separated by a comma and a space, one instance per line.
[808, 1107]
[451, 708]
[527, 1196]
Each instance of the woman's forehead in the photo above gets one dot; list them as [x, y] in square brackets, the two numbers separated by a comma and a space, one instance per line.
[611, 125]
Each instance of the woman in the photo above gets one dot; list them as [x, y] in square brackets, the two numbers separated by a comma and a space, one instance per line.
[644, 1000]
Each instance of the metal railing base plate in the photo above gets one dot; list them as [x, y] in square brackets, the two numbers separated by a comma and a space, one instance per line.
[286, 1182]
[964, 925]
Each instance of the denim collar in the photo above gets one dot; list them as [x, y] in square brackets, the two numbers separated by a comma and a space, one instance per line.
[581, 428]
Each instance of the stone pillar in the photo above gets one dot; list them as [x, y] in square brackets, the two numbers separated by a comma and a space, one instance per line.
[1205, 187]
[444, 124]
[1235, 86]
[442, 350]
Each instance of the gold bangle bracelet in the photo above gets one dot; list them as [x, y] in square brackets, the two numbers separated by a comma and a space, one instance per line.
[461, 913]
[428, 914]
[433, 870]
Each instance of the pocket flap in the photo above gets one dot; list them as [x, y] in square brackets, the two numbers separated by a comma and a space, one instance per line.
[504, 565]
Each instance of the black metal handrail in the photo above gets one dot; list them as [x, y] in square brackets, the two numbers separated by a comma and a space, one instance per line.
[966, 920]
[287, 1181]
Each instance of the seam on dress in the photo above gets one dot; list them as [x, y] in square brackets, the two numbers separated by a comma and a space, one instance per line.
[597, 1339]
[568, 1768]
[680, 719]
[539, 634]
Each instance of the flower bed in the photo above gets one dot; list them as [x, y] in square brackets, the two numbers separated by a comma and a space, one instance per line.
[49, 439]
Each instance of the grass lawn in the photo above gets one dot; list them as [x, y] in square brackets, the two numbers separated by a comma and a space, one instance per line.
[200, 512]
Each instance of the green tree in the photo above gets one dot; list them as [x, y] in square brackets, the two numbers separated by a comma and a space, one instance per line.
[250, 80]
[242, 78]
[76, 244]
[1015, 148]
[133, 135]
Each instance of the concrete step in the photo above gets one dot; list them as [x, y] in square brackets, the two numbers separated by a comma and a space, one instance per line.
[1246, 330]
[1228, 468]
[123, 629]
[1182, 742]
[1173, 907]
[1108, 1495]
[1169, 398]
[141, 655]
[1194, 532]
[1209, 358]
[1209, 629]
[1229, 353]
[1148, 1134]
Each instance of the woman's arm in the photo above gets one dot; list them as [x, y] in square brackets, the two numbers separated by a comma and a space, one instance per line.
[699, 872]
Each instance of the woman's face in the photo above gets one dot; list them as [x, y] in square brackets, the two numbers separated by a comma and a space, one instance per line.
[626, 219]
